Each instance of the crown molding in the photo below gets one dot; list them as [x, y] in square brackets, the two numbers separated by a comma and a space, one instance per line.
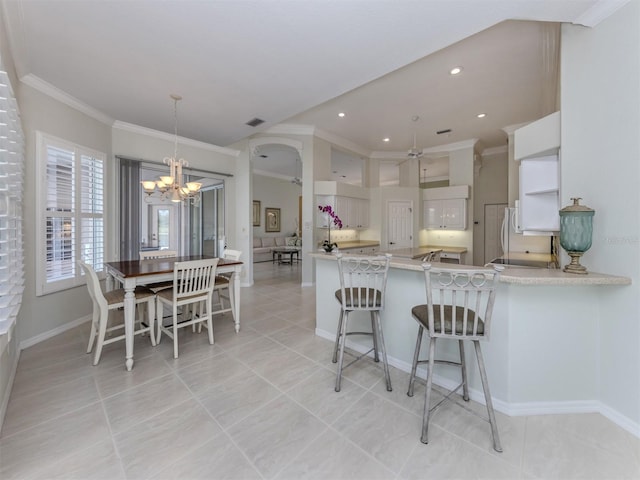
[44, 87]
[487, 152]
[264, 173]
[439, 150]
[342, 142]
[290, 129]
[389, 155]
[130, 127]
[599, 11]
[301, 129]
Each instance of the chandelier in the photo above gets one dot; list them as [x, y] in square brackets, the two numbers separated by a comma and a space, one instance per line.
[171, 186]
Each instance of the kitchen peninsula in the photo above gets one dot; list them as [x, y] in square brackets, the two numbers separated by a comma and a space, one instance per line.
[540, 357]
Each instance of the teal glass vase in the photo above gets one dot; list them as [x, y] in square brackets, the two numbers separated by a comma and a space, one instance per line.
[576, 233]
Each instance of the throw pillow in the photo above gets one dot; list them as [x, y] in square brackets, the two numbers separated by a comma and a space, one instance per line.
[291, 241]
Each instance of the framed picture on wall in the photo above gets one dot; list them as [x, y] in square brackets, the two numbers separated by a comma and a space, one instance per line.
[271, 219]
[256, 213]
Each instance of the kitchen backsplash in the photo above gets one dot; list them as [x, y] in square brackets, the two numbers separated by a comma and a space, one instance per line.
[337, 236]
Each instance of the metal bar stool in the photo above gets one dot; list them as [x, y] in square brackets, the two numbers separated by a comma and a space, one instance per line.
[363, 281]
[461, 311]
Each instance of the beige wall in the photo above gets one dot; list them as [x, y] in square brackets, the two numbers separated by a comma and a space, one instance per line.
[40, 315]
[276, 193]
[490, 187]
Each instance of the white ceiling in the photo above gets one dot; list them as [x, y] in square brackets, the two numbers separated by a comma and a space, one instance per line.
[379, 61]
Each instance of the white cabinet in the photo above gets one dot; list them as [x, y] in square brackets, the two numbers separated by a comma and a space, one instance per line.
[353, 212]
[536, 146]
[361, 250]
[450, 214]
[359, 212]
[323, 219]
[538, 138]
[539, 198]
[452, 257]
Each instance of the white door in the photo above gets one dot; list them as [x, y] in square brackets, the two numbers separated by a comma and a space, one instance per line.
[493, 216]
[399, 224]
[163, 232]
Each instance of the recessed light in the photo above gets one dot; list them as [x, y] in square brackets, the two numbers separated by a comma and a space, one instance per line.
[341, 114]
[455, 70]
[481, 115]
[386, 139]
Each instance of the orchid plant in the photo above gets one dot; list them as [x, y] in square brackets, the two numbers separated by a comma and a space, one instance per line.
[335, 220]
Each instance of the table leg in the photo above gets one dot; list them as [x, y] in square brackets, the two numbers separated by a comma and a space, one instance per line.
[129, 320]
[110, 282]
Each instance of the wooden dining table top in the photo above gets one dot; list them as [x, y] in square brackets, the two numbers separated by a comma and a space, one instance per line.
[154, 266]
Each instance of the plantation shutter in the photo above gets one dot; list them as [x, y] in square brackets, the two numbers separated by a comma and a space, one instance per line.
[11, 191]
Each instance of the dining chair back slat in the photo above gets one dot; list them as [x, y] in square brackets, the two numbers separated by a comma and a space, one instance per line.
[150, 254]
[193, 284]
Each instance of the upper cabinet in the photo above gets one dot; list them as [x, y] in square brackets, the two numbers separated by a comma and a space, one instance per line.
[539, 198]
[537, 147]
[350, 203]
[445, 208]
[538, 139]
[445, 214]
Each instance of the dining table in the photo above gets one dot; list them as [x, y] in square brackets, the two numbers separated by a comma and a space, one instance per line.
[131, 273]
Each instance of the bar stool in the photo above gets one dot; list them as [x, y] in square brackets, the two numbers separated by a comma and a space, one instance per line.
[363, 281]
[461, 311]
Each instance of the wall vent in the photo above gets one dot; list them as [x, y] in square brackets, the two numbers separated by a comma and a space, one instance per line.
[254, 122]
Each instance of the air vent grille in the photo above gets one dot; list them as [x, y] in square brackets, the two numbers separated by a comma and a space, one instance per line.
[255, 122]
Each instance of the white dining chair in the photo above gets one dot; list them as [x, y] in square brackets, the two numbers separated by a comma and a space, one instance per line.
[193, 284]
[149, 254]
[152, 254]
[224, 286]
[104, 302]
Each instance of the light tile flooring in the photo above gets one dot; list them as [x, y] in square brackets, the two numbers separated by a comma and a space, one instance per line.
[260, 404]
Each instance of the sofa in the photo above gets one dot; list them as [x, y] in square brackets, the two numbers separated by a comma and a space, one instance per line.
[262, 246]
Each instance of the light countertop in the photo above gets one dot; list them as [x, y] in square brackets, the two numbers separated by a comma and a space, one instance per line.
[446, 248]
[415, 253]
[358, 244]
[516, 276]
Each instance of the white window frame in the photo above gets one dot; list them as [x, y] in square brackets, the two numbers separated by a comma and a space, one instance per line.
[43, 141]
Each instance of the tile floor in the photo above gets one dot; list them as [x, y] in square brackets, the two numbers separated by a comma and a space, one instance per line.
[260, 405]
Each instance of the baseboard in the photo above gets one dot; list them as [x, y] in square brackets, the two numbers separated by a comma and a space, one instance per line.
[52, 333]
[508, 408]
[623, 422]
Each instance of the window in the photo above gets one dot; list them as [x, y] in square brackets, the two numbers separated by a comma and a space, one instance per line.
[11, 189]
[71, 203]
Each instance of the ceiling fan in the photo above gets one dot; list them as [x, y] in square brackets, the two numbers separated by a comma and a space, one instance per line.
[414, 152]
